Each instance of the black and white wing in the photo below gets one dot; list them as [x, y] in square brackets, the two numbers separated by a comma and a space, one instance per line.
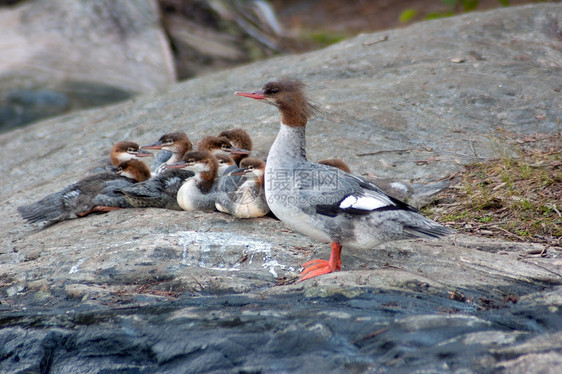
[333, 191]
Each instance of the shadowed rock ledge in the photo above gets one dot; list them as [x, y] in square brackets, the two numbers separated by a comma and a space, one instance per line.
[150, 290]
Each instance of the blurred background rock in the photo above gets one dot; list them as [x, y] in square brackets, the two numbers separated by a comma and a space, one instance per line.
[61, 55]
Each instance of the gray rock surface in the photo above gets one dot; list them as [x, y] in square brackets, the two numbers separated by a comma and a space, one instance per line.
[59, 55]
[149, 290]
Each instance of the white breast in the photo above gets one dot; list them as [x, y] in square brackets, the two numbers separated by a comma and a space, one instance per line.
[186, 195]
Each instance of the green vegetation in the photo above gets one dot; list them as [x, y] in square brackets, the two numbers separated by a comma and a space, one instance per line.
[451, 7]
[407, 15]
[323, 38]
[517, 196]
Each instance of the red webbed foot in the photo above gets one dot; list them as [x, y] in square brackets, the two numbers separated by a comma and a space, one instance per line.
[318, 267]
[315, 268]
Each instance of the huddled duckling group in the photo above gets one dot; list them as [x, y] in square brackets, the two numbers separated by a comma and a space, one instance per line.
[217, 175]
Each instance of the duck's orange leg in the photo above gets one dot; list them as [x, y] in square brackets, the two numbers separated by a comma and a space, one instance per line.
[315, 268]
[98, 209]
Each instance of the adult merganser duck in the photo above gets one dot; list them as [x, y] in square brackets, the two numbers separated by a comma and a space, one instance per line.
[91, 194]
[240, 193]
[240, 139]
[198, 192]
[323, 202]
[172, 147]
[416, 194]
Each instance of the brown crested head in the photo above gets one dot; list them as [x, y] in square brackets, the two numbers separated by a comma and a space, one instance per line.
[238, 138]
[214, 144]
[126, 150]
[134, 169]
[173, 142]
[253, 168]
[204, 159]
[288, 95]
[176, 142]
[224, 159]
[252, 163]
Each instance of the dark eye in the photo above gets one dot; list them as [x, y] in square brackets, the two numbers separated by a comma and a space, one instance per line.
[250, 168]
[120, 169]
[224, 147]
[131, 150]
[274, 90]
